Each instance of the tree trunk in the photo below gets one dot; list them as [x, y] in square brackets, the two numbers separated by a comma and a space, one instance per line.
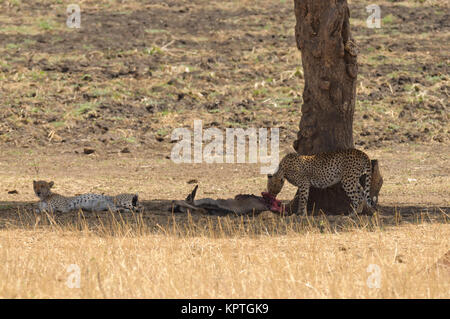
[329, 57]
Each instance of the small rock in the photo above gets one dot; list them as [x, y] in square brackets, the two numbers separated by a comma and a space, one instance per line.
[399, 259]
[192, 181]
[13, 192]
[125, 150]
[88, 151]
[444, 260]
[443, 264]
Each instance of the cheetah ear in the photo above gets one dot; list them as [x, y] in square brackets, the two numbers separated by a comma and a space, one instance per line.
[34, 182]
[51, 184]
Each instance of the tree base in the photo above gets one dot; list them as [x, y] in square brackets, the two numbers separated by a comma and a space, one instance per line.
[331, 200]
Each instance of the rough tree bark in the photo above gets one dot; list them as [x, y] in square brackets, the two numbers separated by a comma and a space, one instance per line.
[329, 57]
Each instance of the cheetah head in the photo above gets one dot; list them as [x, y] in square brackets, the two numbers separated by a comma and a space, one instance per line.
[274, 184]
[42, 189]
[128, 202]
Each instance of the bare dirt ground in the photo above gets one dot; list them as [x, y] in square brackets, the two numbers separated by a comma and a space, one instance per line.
[135, 71]
[416, 180]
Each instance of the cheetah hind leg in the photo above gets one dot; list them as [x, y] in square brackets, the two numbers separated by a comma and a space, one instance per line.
[364, 189]
[354, 191]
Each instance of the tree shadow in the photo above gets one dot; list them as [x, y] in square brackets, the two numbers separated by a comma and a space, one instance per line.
[158, 217]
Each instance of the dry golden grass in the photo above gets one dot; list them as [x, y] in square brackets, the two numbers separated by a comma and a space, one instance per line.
[248, 64]
[159, 255]
[120, 261]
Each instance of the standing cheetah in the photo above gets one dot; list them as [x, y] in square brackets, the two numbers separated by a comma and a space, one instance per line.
[50, 201]
[350, 167]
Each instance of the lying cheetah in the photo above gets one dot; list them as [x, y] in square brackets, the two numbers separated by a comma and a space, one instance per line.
[350, 167]
[50, 201]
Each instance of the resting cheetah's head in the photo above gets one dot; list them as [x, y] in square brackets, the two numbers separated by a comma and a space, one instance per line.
[274, 184]
[42, 188]
[128, 201]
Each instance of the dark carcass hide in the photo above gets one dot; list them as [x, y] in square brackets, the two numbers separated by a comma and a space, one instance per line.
[241, 204]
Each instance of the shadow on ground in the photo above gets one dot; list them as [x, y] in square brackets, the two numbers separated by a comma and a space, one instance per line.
[157, 216]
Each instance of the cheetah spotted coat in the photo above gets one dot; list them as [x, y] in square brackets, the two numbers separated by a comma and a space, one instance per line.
[351, 167]
[53, 202]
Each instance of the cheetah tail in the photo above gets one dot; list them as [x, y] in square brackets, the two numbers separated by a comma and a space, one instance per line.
[368, 185]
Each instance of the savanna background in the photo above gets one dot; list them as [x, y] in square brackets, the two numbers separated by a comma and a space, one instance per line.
[93, 110]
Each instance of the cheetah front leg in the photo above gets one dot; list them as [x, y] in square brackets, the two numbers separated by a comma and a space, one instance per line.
[41, 206]
[65, 210]
[302, 197]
